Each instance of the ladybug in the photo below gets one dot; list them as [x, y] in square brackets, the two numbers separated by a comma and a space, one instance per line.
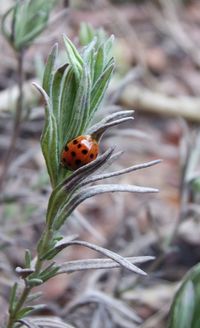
[79, 151]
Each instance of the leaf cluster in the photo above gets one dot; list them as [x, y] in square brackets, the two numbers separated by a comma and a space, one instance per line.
[73, 93]
[24, 21]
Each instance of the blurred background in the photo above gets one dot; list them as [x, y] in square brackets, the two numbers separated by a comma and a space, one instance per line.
[157, 54]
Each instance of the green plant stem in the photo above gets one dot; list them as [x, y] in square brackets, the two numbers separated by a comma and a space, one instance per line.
[17, 120]
[18, 307]
[44, 240]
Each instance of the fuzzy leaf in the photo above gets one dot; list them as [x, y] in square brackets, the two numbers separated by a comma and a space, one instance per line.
[114, 256]
[85, 193]
[49, 139]
[120, 172]
[81, 265]
[28, 259]
[86, 34]
[49, 69]
[49, 272]
[12, 299]
[99, 88]
[74, 58]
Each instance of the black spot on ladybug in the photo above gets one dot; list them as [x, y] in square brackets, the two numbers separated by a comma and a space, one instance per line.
[84, 151]
[78, 161]
[79, 146]
[66, 148]
[75, 142]
[73, 154]
[91, 155]
[64, 159]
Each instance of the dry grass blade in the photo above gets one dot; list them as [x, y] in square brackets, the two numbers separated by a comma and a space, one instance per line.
[79, 265]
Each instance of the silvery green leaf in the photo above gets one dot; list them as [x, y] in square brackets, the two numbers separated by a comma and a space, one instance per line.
[12, 299]
[32, 297]
[88, 192]
[110, 118]
[99, 63]
[86, 33]
[81, 265]
[65, 101]
[133, 168]
[99, 132]
[103, 57]
[114, 256]
[49, 70]
[99, 88]
[49, 272]
[51, 252]
[74, 58]
[33, 282]
[81, 105]
[59, 79]
[49, 139]
[28, 258]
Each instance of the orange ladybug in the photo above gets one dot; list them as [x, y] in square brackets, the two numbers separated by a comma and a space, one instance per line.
[79, 151]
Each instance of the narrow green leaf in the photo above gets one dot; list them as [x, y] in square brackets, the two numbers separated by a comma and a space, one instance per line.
[12, 299]
[49, 272]
[49, 144]
[74, 57]
[33, 282]
[99, 89]
[49, 68]
[49, 139]
[184, 307]
[81, 105]
[24, 312]
[68, 96]
[32, 297]
[99, 63]
[28, 258]
[86, 34]
[186, 301]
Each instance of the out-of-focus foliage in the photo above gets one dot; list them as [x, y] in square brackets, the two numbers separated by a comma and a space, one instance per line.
[185, 308]
[23, 22]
